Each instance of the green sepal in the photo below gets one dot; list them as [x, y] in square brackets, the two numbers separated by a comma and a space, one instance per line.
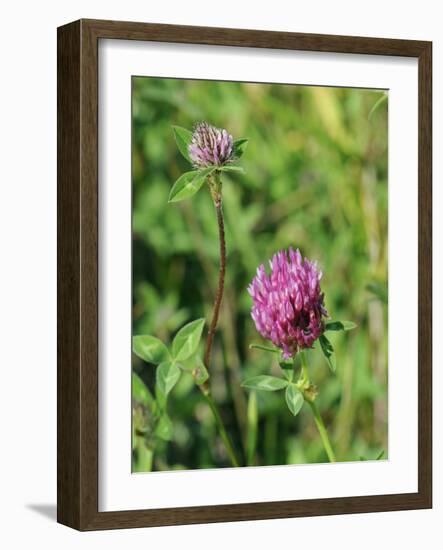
[239, 147]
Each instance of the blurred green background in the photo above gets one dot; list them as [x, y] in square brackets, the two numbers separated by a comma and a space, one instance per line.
[316, 178]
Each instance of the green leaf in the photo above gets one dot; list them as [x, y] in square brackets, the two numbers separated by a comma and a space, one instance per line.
[232, 168]
[164, 428]
[294, 399]
[380, 455]
[264, 348]
[328, 352]
[150, 349]
[340, 325]
[240, 147]
[183, 138]
[140, 392]
[265, 383]
[187, 339]
[167, 376]
[188, 184]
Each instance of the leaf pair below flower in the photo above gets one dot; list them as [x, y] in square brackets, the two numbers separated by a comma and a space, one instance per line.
[265, 383]
[294, 397]
[188, 184]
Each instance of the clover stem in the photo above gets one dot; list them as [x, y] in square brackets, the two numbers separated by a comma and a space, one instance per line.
[215, 187]
[322, 430]
[307, 390]
[304, 367]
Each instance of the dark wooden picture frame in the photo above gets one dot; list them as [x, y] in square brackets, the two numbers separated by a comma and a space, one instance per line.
[77, 173]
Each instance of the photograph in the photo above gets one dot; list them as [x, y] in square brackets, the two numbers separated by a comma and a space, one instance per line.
[259, 274]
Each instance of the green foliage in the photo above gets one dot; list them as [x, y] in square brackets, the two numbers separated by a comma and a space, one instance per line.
[232, 168]
[164, 428]
[188, 184]
[328, 352]
[187, 339]
[265, 383]
[183, 139]
[294, 399]
[150, 349]
[151, 421]
[315, 177]
[140, 392]
[264, 348]
[340, 325]
[167, 376]
[240, 147]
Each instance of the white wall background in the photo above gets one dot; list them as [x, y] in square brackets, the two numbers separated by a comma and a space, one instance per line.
[28, 270]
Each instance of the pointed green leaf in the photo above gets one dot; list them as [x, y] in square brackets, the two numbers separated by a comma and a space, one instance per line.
[187, 339]
[188, 184]
[240, 147]
[140, 392]
[265, 383]
[380, 455]
[294, 399]
[164, 428]
[264, 348]
[183, 138]
[328, 352]
[340, 325]
[150, 349]
[167, 376]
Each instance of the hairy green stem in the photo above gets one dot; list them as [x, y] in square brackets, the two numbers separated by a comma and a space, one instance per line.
[309, 393]
[220, 287]
[215, 189]
[304, 367]
[322, 430]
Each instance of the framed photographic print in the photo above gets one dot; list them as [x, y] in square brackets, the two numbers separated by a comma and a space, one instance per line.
[244, 275]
